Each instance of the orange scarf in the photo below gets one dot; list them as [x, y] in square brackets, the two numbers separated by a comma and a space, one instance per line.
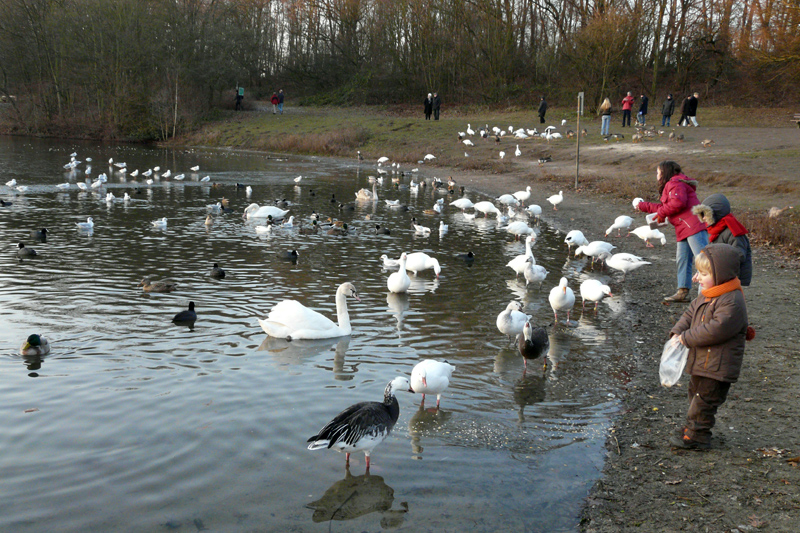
[719, 290]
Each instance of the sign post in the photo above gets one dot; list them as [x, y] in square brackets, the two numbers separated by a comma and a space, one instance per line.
[578, 135]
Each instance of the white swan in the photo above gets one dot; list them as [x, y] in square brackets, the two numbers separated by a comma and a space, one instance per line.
[254, 211]
[620, 223]
[399, 281]
[562, 298]
[462, 203]
[292, 320]
[518, 152]
[419, 261]
[486, 207]
[519, 262]
[443, 228]
[431, 377]
[556, 199]
[365, 194]
[511, 320]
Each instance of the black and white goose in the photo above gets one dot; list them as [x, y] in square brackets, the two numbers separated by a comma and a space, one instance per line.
[362, 426]
[533, 343]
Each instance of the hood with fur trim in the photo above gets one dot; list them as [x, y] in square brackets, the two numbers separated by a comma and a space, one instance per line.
[713, 208]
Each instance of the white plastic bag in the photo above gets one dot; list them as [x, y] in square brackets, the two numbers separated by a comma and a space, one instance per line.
[673, 360]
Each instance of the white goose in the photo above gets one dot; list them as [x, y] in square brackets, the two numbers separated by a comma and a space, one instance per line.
[562, 298]
[594, 291]
[518, 264]
[462, 203]
[625, 262]
[647, 234]
[486, 207]
[254, 211]
[508, 199]
[519, 228]
[620, 223]
[362, 426]
[523, 196]
[533, 272]
[575, 238]
[399, 281]
[292, 320]
[419, 261]
[511, 320]
[556, 199]
[534, 210]
[597, 250]
[518, 152]
[431, 377]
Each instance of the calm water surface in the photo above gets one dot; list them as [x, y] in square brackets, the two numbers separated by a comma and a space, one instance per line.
[133, 423]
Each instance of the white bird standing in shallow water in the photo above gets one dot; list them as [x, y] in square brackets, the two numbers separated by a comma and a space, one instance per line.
[518, 264]
[533, 272]
[620, 223]
[597, 250]
[486, 207]
[594, 291]
[431, 377]
[399, 282]
[533, 343]
[511, 320]
[556, 199]
[419, 261]
[362, 426]
[290, 319]
[575, 238]
[562, 298]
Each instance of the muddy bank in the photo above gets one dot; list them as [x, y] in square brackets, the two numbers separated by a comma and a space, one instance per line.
[749, 479]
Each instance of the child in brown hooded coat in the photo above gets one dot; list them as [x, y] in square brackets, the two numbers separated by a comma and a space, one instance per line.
[714, 328]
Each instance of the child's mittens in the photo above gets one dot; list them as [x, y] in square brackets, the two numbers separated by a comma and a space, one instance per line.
[751, 333]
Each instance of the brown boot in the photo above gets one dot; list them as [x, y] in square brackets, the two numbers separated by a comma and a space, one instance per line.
[679, 297]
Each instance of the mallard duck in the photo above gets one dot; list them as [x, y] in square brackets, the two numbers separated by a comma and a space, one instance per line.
[35, 345]
[164, 285]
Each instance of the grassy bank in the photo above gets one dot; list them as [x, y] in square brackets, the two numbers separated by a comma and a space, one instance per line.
[754, 160]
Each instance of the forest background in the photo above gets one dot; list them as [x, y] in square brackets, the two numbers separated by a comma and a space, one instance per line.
[153, 69]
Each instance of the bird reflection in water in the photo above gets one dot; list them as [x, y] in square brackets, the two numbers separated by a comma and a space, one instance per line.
[290, 353]
[558, 352]
[398, 305]
[422, 285]
[529, 390]
[425, 422]
[356, 496]
[33, 363]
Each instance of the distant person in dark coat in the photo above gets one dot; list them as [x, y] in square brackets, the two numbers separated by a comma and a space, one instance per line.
[280, 101]
[667, 109]
[437, 105]
[641, 117]
[239, 98]
[684, 121]
[692, 111]
[542, 109]
[428, 103]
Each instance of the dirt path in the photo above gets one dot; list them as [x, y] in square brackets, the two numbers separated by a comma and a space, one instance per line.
[748, 480]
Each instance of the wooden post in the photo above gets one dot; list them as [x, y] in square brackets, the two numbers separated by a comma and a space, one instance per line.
[578, 135]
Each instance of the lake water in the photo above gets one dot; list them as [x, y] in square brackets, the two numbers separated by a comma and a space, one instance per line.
[133, 423]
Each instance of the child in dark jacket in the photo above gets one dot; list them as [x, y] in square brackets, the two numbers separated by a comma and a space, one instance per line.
[714, 328]
[715, 211]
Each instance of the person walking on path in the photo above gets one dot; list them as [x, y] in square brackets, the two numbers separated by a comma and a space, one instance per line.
[605, 116]
[239, 98]
[280, 101]
[437, 105]
[627, 104]
[274, 101]
[684, 112]
[714, 328]
[641, 117]
[678, 197]
[428, 103]
[667, 109]
[723, 227]
[692, 109]
[542, 109]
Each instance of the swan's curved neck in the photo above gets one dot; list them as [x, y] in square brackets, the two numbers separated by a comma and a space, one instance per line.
[341, 313]
[528, 251]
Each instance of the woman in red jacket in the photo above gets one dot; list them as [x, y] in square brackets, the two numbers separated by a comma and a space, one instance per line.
[678, 197]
